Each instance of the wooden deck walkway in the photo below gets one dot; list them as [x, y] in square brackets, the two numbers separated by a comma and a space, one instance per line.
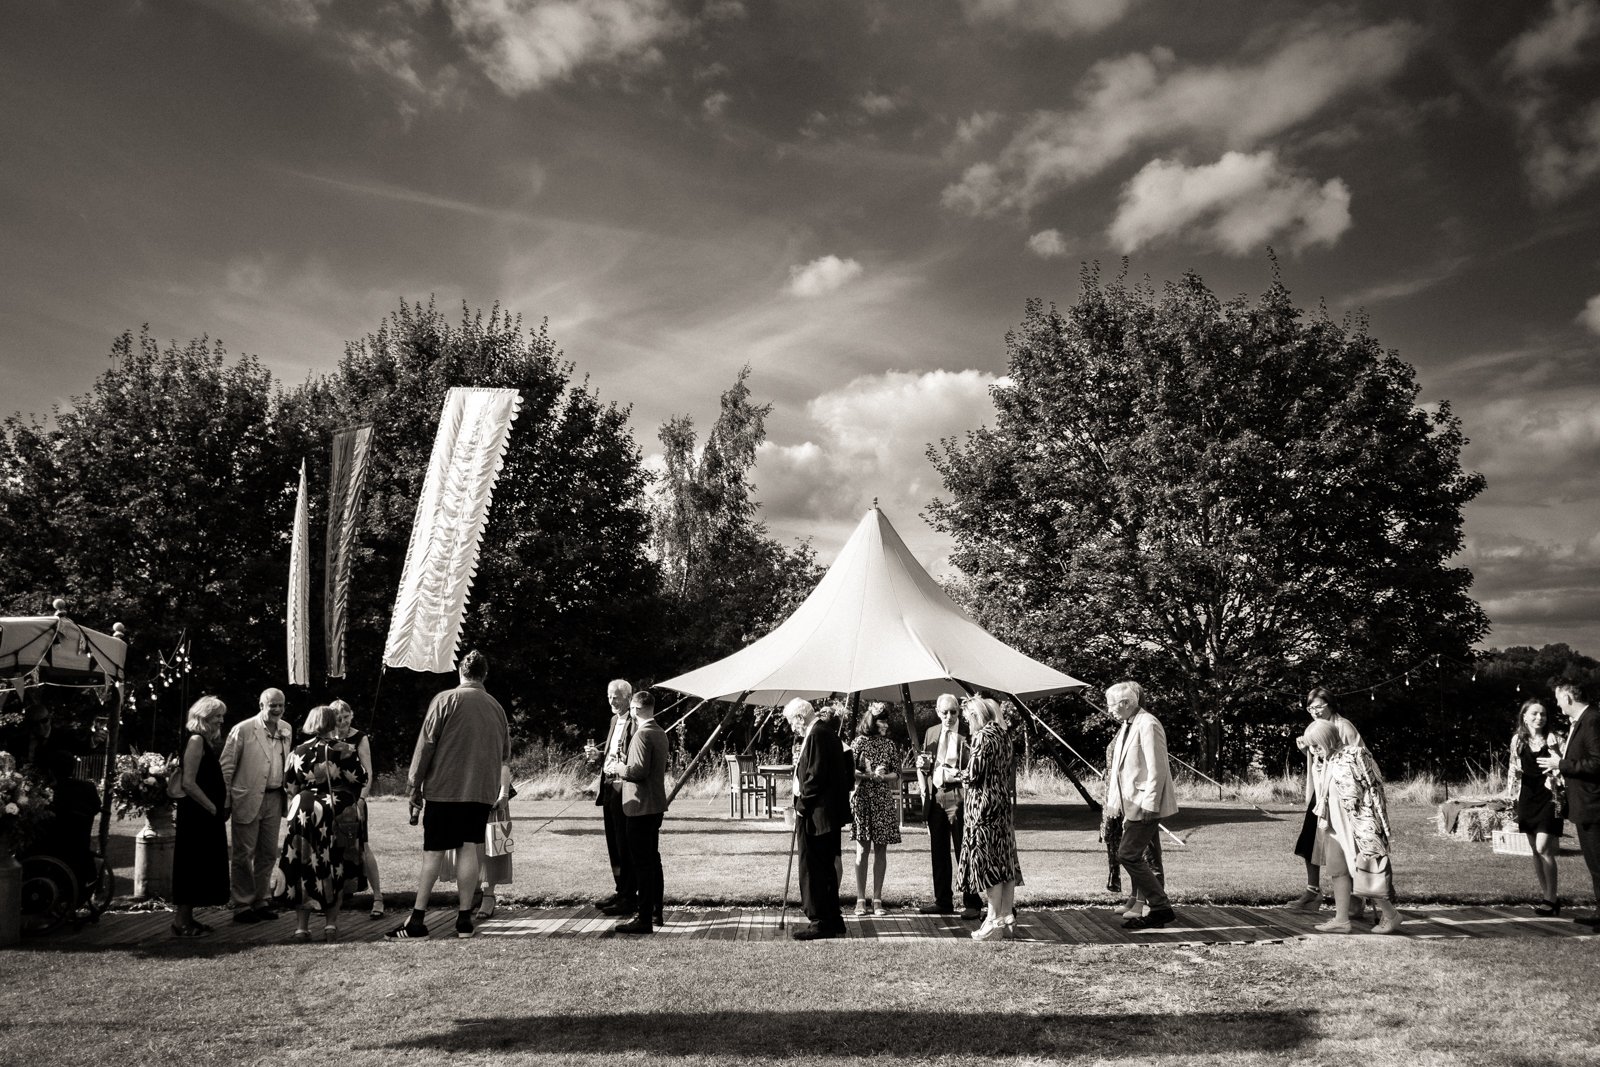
[1196, 924]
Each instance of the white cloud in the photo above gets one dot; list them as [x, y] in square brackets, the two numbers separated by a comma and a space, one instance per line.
[1048, 244]
[878, 104]
[822, 276]
[1590, 316]
[1557, 42]
[1238, 204]
[525, 44]
[1064, 18]
[715, 104]
[868, 440]
[1145, 97]
[975, 126]
[1560, 142]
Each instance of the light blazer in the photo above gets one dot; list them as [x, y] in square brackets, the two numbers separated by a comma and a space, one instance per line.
[246, 758]
[644, 780]
[1142, 772]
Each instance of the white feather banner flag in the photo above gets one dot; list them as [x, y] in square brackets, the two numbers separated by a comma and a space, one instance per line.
[468, 452]
[299, 613]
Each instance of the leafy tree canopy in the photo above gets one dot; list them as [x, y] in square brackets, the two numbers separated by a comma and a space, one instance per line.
[1228, 500]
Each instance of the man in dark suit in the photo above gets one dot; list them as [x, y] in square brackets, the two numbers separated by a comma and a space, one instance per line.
[644, 803]
[1580, 766]
[945, 750]
[823, 775]
[609, 798]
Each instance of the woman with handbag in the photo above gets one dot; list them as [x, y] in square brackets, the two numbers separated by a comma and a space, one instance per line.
[368, 863]
[1538, 796]
[497, 846]
[1352, 827]
[324, 777]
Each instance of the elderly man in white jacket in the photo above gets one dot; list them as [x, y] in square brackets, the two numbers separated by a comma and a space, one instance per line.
[253, 761]
[1139, 787]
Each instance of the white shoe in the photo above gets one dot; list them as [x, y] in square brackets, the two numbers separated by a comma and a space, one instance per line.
[989, 932]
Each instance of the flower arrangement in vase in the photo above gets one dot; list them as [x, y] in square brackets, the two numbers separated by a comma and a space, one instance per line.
[140, 786]
[24, 800]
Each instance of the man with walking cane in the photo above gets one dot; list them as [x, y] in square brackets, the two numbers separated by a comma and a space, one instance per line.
[822, 780]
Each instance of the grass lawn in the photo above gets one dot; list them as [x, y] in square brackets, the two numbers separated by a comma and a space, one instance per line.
[1365, 1001]
[1233, 854]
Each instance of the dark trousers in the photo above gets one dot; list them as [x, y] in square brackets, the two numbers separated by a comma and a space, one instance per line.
[819, 885]
[944, 840]
[617, 840]
[644, 856]
[1134, 856]
[1589, 843]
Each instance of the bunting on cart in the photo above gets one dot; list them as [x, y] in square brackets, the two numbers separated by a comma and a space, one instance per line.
[346, 480]
[468, 452]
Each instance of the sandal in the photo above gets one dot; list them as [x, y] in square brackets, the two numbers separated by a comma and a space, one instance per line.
[879, 909]
[330, 932]
[485, 909]
[377, 908]
[861, 907]
[300, 937]
[1547, 907]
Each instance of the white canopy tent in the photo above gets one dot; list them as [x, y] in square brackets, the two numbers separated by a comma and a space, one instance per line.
[878, 625]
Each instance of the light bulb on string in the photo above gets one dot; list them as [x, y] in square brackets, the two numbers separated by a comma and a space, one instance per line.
[1373, 693]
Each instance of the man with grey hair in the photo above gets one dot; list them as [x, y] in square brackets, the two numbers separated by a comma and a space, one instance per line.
[608, 797]
[1579, 765]
[458, 775]
[253, 760]
[823, 775]
[1139, 788]
[945, 751]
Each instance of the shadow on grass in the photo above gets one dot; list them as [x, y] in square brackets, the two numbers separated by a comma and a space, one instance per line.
[780, 1035]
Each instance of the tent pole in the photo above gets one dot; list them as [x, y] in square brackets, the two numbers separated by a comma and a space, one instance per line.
[733, 709]
[1094, 805]
[685, 716]
[751, 747]
[911, 729]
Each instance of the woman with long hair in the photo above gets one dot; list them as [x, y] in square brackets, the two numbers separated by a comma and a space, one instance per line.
[875, 804]
[200, 844]
[1352, 827]
[1537, 795]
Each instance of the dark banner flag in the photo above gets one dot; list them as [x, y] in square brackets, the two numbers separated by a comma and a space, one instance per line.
[346, 479]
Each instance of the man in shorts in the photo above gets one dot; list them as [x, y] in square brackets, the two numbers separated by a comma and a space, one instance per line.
[456, 777]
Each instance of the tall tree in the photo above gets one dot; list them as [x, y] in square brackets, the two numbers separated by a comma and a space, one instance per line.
[1229, 500]
[563, 581]
[725, 581]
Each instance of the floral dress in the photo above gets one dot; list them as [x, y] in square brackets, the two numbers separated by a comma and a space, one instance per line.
[875, 806]
[1352, 801]
[989, 838]
[328, 776]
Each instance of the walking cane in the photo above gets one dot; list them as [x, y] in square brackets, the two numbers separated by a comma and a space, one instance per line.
[794, 838]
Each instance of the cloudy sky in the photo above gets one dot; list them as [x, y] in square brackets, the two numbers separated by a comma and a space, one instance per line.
[853, 196]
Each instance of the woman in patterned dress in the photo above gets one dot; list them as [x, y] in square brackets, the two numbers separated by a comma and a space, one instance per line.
[368, 868]
[1352, 827]
[875, 804]
[324, 777]
[989, 863]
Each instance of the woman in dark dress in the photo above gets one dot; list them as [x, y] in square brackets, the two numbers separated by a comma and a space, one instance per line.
[361, 863]
[200, 844]
[1537, 797]
[324, 777]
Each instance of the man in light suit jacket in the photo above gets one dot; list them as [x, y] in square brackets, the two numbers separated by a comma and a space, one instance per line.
[253, 760]
[1139, 788]
[1580, 766]
[644, 803]
[823, 776]
[945, 750]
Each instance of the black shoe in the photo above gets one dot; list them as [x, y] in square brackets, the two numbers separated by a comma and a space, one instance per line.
[817, 933]
[1113, 885]
[1592, 921]
[937, 908]
[1547, 907]
[246, 915]
[1157, 918]
[608, 901]
[406, 932]
[265, 914]
[464, 926]
[970, 913]
[637, 925]
[619, 907]
[660, 919]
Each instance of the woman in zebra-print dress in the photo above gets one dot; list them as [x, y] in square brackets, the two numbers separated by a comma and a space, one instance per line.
[989, 862]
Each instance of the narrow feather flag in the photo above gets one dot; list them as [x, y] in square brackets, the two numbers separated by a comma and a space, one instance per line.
[346, 480]
[299, 613]
[468, 452]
